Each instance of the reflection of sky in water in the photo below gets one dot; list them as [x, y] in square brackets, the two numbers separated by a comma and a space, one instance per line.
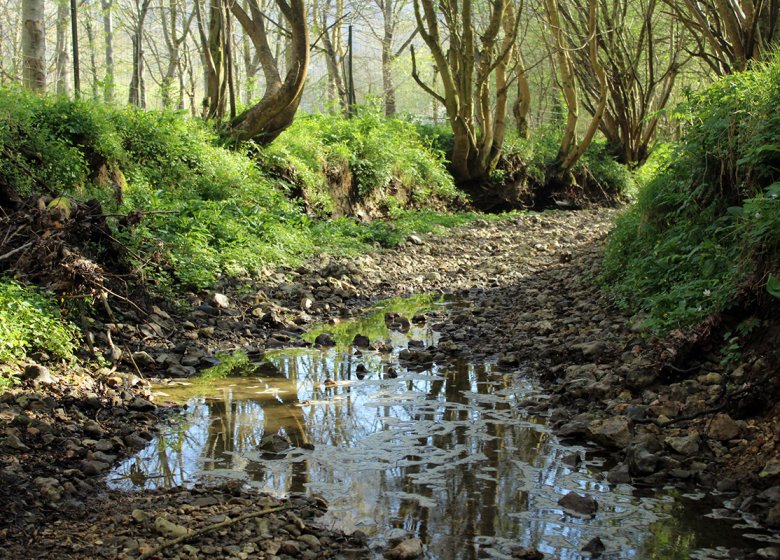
[444, 453]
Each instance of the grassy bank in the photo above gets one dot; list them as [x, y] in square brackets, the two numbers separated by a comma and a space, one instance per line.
[704, 235]
[188, 208]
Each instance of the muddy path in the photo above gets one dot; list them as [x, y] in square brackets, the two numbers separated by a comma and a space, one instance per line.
[527, 303]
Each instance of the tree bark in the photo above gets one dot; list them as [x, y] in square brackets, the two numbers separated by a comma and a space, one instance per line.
[108, 37]
[275, 112]
[571, 150]
[216, 69]
[388, 56]
[74, 28]
[475, 109]
[522, 103]
[34, 45]
[92, 57]
[137, 90]
[62, 61]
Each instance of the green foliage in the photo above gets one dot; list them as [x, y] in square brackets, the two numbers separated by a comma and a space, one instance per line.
[211, 210]
[537, 157]
[773, 286]
[31, 321]
[708, 210]
[381, 153]
[597, 165]
[33, 157]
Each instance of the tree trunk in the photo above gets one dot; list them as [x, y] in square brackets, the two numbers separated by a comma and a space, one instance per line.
[571, 150]
[134, 96]
[216, 70]
[275, 112]
[137, 95]
[34, 45]
[522, 103]
[74, 28]
[388, 57]
[334, 53]
[62, 62]
[251, 64]
[92, 57]
[108, 37]
[475, 58]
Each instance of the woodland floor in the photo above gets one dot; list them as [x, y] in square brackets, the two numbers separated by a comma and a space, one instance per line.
[668, 409]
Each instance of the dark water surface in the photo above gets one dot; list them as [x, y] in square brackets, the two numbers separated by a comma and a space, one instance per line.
[444, 453]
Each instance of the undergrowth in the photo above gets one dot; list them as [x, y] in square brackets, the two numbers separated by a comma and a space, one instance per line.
[707, 217]
[534, 158]
[206, 210]
[30, 321]
[379, 152]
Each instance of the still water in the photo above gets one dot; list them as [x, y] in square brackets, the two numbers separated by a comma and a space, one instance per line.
[441, 451]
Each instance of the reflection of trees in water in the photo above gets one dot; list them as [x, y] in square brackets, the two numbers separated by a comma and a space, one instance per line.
[163, 464]
[477, 496]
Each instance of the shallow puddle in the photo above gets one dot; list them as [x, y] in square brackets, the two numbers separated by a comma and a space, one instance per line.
[441, 451]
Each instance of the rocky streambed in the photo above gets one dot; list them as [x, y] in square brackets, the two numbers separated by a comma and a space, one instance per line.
[613, 408]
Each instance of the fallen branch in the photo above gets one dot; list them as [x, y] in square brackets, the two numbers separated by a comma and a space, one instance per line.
[17, 250]
[210, 528]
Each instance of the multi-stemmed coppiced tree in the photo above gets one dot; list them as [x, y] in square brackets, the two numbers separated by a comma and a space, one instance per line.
[730, 33]
[472, 45]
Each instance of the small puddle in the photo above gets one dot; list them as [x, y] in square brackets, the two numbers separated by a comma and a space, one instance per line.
[441, 451]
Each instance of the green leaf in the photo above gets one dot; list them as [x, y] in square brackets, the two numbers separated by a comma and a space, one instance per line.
[773, 190]
[773, 286]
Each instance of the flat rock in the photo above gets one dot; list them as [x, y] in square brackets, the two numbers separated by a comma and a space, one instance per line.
[612, 432]
[595, 547]
[771, 468]
[361, 341]
[169, 529]
[324, 339]
[527, 554]
[684, 445]
[142, 405]
[93, 467]
[619, 474]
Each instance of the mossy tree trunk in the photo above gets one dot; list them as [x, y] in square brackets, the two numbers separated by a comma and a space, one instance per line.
[572, 148]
